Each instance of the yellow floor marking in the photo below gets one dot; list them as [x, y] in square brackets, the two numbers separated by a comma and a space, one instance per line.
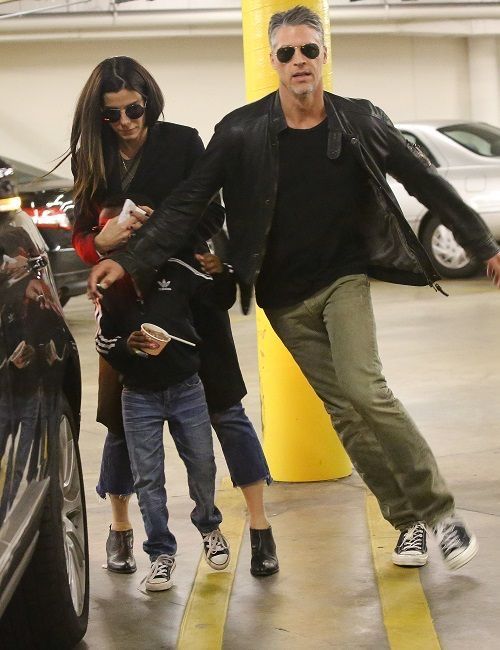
[407, 618]
[206, 609]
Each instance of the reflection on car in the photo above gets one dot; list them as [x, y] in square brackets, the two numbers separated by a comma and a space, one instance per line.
[43, 530]
[49, 202]
[467, 154]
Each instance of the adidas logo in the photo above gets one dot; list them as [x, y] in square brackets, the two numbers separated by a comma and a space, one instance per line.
[164, 285]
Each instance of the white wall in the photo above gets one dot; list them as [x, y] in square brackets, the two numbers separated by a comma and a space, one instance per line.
[203, 78]
[409, 77]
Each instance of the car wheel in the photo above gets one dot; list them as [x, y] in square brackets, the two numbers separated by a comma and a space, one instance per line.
[448, 257]
[51, 604]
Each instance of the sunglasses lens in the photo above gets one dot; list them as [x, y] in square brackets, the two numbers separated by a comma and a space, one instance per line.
[311, 50]
[110, 114]
[134, 111]
[285, 54]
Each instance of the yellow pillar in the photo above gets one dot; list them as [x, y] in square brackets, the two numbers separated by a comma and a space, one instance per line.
[299, 441]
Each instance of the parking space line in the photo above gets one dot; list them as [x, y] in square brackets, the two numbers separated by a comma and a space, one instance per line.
[405, 610]
[205, 613]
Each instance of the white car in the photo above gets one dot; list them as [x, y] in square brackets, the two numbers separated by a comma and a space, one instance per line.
[467, 154]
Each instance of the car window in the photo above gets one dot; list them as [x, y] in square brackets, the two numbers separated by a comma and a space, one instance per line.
[411, 137]
[481, 138]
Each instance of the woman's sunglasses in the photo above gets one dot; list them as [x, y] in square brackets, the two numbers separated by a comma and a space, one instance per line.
[285, 54]
[132, 111]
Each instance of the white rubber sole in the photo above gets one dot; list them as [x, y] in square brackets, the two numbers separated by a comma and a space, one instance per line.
[160, 586]
[218, 567]
[419, 559]
[465, 556]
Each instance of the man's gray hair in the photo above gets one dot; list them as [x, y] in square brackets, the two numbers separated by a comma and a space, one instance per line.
[299, 15]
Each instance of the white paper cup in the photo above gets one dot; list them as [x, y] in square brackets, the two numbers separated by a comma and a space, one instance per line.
[156, 334]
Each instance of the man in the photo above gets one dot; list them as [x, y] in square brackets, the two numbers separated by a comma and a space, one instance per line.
[310, 217]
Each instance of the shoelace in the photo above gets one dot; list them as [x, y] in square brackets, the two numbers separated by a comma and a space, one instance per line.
[215, 542]
[451, 539]
[160, 567]
[413, 538]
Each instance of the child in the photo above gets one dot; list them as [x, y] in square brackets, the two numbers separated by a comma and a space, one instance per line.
[163, 388]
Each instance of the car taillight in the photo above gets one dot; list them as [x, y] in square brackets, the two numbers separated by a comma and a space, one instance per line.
[49, 218]
[52, 214]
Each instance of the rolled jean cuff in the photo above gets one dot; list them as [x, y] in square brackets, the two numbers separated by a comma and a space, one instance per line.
[241, 446]
[268, 479]
[103, 493]
[115, 475]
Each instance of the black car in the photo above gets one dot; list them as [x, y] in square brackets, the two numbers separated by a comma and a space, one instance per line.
[49, 202]
[44, 593]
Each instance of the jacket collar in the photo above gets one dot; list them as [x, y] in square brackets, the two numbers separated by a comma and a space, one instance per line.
[277, 123]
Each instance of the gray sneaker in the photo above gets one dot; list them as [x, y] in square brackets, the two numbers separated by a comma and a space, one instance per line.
[159, 577]
[411, 549]
[458, 545]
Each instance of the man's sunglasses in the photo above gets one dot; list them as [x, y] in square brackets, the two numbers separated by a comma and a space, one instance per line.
[132, 111]
[285, 54]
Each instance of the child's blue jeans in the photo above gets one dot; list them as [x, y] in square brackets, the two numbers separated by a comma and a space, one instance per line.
[239, 441]
[184, 407]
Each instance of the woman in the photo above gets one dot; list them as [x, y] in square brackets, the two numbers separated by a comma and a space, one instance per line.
[118, 147]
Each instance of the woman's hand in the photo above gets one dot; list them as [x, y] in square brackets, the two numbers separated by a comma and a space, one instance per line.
[113, 235]
[140, 219]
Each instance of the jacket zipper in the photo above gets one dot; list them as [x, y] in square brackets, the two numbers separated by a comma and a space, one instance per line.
[431, 283]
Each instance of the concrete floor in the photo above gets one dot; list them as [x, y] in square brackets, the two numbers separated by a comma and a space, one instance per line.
[442, 358]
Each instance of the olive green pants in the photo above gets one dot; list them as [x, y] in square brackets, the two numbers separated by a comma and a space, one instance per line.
[331, 336]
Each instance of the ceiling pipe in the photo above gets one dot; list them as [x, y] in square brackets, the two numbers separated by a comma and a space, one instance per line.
[351, 19]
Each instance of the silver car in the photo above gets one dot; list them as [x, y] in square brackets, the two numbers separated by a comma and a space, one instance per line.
[467, 154]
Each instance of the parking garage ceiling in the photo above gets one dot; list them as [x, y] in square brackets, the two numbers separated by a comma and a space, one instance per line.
[96, 19]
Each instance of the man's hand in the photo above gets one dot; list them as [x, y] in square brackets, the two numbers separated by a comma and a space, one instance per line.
[493, 269]
[103, 274]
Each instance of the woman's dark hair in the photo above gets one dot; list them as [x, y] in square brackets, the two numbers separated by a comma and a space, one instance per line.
[88, 130]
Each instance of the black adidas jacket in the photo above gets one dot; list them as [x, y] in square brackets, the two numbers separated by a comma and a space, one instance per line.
[168, 305]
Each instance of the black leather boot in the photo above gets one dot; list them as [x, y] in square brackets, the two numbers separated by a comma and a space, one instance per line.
[264, 559]
[120, 551]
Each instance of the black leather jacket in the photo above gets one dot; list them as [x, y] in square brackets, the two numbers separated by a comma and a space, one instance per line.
[242, 158]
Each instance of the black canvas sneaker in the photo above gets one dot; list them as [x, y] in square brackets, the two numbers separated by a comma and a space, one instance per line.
[411, 549]
[457, 544]
[216, 548]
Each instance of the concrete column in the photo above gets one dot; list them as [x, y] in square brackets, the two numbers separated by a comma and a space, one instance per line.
[483, 76]
[299, 441]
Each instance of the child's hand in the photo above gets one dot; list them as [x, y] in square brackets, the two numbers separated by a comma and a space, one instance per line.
[138, 342]
[210, 263]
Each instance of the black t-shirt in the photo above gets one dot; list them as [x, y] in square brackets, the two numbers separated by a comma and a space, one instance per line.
[314, 238]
